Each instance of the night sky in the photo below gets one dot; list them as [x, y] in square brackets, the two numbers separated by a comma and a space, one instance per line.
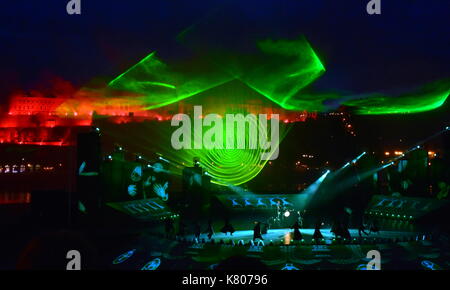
[405, 47]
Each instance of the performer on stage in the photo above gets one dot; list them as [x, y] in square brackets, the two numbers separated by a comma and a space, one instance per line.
[362, 229]
[345, 231]
[264, 228]
[297, 234]
[227, 228]
[374, 227]
[317, 234]
[210, 230]
[257, 231]
[197, 231]
[336, 228]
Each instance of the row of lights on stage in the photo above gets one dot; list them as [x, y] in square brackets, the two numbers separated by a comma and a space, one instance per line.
[251, 243]
[174, 216]
[302, 242]
[390, 215]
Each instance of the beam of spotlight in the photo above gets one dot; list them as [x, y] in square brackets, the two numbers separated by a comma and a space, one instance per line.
[357, 178]
[235, 188]
[350, 163]
[239, 190]
[419, 144]
[315, 186]
[308, 195]
[163, 159]
[387, 165]
[359, 157]
[371, 172]
[173, 162]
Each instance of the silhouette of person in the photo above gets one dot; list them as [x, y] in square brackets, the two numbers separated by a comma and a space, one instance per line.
[362, 229]
[264, 228]
[317, 234]
[336, 229]
[197, 230]
[227, 228]
[257, 231]
[297, 234]
[346, 232]
[210, 230]
[374, 227]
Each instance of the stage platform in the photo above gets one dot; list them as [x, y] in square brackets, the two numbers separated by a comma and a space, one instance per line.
[399, 251]
[281, 235]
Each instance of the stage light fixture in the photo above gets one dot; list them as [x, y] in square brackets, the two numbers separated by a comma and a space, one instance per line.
[163, 159]
[287, 213]
[152, 265]
[124, 257]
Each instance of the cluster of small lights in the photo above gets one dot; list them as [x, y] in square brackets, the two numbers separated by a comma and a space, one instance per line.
[307, 156]
[25, 168]
[298, 164]
[347, 125]
[174, 216]
[138, 156]
[431, 154]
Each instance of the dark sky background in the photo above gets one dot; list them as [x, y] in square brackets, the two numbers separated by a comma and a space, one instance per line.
[406, 46]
